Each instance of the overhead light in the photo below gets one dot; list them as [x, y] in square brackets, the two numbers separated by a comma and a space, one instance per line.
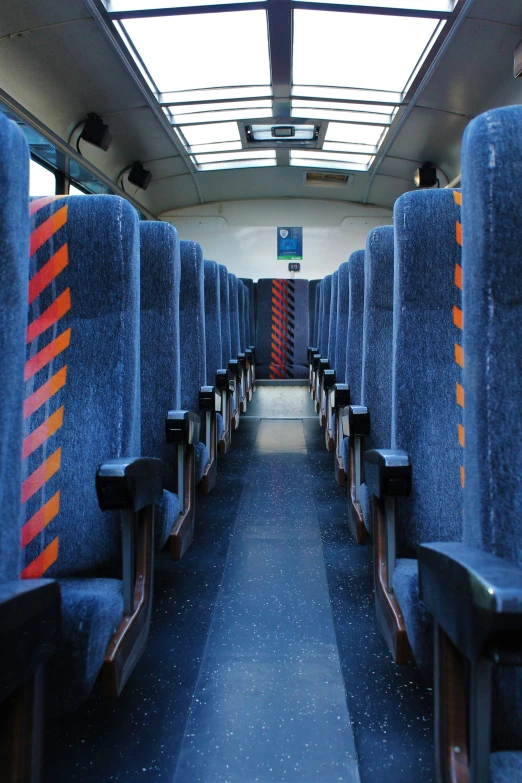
[283, 131]
[139, 176]
[426, 176]
[96, 132]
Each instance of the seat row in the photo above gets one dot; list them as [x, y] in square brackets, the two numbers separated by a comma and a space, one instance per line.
[126, 360]
[416, 371]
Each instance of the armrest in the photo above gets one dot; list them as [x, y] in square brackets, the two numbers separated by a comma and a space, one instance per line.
[358, 422]
[388, 472]
[340, 395]
[182, 427]
[225, 380]
[316, 358]
[242, 359]
[249, 353]
[310, 353]
[234, 368]
[324, 364]
[328, 379]
[209, 399]
[129, 483]
[252, 349]
[30, 611]
[476, 598]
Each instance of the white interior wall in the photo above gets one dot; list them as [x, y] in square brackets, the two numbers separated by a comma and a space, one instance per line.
[242, 234]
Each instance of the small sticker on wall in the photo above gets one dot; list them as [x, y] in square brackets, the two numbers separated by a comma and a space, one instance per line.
[289, 243]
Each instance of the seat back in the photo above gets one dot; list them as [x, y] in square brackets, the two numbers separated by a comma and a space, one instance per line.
[492, 303]
[242, 315]
[251, 336]
[235, 339]
[193, 358]
[82, 371]
[332, 327]
[378, 335]
[282, 328]
[214, 353]
[343, 302]
[317, 315]
[324, 326]
[224, 300]
[14, 271]
[355, 325]
[426, 380]
[312, 289]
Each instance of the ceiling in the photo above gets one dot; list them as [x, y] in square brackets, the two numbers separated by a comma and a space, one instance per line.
[266, 62]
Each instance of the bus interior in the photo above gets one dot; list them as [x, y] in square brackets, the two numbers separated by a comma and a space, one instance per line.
[260, 417]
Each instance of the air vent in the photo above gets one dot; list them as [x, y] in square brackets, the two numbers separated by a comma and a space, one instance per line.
[327, 179]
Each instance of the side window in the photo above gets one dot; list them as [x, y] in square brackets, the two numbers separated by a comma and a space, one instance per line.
[74, 191]
[42, 181]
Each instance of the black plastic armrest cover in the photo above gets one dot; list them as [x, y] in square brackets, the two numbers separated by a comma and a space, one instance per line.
[234, 368]
[310, 353]
[30, 613]
[129, 483]
[358, 421]
[252, 349]
[182, 427]
[242, 359]
[209, 399]
[342, 395]
[316, 358]
[476, 597]
[249, 353]
[224, 379]
[329, 379]
[387, 472]
[324, 364]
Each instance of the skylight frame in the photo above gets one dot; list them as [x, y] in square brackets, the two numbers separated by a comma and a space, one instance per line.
[214, 108]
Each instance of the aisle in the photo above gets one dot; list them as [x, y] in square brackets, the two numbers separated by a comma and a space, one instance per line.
[270, 704]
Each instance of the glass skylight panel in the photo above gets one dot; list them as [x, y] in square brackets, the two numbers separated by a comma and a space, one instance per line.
[221, 116]
[357, 149]
[359, 134]
[147, 5]
[382, 113]
[325, 162]
[219, 158]
[222, 146]
[358, 50]
[206, 134]
[346, 94]
[231, 49]
[198, 108]
[319, 155]
[238, 164]
[218, 94]
[412, 5]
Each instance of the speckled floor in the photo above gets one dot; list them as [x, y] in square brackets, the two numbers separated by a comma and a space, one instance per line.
[204, 615]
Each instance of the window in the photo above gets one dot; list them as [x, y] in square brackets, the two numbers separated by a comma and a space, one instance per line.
[42, 181]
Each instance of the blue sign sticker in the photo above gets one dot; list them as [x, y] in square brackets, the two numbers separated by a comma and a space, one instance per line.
[289, 243]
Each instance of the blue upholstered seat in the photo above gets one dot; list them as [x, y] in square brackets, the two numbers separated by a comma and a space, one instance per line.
[377, 345]
[251, 331]
[14, 271]
[214, 352]
[241, 314]
[353, 363]
[235, 339]
[492, 304]
[193, 355]
[318, 314]
[312, 308]
[425, 409]
[160, 363]
[82, 407]
[324, 316]
[224, 303]
[343, 301]
[282, 328]
[332, 327]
